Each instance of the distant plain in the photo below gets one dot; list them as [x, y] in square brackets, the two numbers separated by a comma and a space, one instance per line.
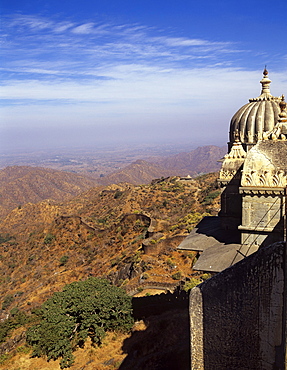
[92, 161]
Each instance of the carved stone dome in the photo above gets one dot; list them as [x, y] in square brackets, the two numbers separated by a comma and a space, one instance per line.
[258, 116]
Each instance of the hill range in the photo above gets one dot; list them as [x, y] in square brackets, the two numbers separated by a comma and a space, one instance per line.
[66, 227]
[26, 184]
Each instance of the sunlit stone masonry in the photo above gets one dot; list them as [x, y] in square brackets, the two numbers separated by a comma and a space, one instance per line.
[253, 186]
[253, 173]
[238, 317]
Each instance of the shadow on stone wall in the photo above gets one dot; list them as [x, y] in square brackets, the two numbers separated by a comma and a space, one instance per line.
[144, 307]
[164, 343]
[237, 317]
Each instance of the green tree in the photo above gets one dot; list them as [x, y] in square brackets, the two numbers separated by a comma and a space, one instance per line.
[16, 318]
[177, 275]
[49, 238]
[63, 260]
[82, 309]
[8, 299]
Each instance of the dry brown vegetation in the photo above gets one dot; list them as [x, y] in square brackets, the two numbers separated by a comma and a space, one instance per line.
[22, 184]
[101, 233]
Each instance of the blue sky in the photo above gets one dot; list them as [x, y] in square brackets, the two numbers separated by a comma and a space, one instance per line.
[84, 73]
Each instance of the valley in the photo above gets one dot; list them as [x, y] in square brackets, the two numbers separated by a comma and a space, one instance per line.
[122, 231]
[99, 162]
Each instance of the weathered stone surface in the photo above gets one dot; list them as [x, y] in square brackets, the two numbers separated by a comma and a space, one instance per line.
[263, 193]
[221, 256]
[237, 316]
[218, 246]
[197, 242]
[265, 165]
[196, 325]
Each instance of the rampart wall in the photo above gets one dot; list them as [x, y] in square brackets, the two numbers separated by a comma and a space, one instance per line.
[238, 316]
[156, 304]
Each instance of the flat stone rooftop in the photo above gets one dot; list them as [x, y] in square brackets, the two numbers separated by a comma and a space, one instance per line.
[218, 248]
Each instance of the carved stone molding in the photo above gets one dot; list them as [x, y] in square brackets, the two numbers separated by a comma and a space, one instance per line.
[264, 178]
[262, 190]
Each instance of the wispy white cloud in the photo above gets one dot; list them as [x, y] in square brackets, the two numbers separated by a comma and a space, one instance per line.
[61, 72]
[63, 26]
[32, 22]
[49, 47]
[84, 28]
[181, 41]
[37, 36]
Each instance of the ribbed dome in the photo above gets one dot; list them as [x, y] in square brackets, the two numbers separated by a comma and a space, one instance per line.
[258, 116]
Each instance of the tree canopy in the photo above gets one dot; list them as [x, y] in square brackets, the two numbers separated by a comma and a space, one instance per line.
[82, 309]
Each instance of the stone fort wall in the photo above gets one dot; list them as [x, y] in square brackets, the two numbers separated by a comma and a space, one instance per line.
[238, 317]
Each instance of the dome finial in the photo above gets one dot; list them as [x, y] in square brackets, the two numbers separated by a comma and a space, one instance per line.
[283, 113]
[265, 82]
[282, 103]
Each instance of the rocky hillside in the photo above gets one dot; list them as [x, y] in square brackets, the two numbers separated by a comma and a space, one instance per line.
[100, 226]
[22, 184]
[201, 160]
[138, 172]
[125, 233]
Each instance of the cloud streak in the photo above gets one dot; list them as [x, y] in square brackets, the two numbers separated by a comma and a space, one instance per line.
[99, 73]
[31, 38]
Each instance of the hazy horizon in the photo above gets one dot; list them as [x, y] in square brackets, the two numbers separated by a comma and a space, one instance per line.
[38, 139]
[105, 73]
